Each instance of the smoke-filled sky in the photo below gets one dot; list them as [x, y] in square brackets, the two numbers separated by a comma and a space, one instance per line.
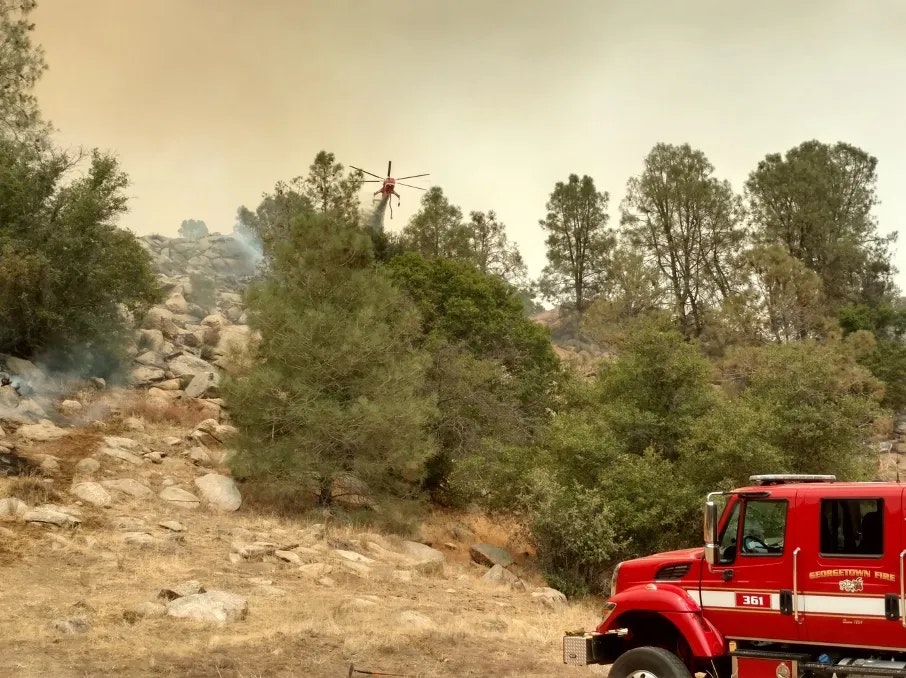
[209, 103]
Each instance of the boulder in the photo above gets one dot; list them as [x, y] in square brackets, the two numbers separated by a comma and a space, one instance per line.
[92, 493]
[219, 491]
[210, 606]
[488, 554]
[179, 497]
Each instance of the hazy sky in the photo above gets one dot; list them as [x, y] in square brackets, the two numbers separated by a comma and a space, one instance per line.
[209, 103]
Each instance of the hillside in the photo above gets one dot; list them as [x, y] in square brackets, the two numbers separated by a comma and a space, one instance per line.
[112, 520]
[127, 548]
[579, 352]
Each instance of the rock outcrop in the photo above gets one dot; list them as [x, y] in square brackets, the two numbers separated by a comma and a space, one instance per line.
[179, 347]
[181, 343]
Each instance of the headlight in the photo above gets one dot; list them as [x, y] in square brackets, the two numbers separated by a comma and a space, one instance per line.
[608, 610]
[613, 579]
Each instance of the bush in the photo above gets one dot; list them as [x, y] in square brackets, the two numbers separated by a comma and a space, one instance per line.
[572, 528]
[492, 372]
[622, 468]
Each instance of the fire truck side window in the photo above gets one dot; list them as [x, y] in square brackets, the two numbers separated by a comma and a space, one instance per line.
[852, 527]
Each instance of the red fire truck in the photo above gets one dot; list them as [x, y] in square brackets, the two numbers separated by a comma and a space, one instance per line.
[800, 575]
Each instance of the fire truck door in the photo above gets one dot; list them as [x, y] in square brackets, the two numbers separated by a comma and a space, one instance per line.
[747, 594]
[849, 565]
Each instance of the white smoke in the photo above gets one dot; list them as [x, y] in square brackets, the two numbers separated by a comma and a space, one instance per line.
[376, 220]
[250, 243]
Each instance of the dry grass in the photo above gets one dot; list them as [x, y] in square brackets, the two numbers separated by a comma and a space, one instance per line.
[32, 489]
[78, 444]
[891, 467]
[186, 414]
[278, 498]
[295, 627]
[309, 630]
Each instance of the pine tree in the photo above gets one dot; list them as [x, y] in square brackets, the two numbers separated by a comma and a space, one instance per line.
[336, 388]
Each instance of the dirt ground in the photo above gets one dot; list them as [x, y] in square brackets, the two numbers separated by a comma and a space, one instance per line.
[438, 621]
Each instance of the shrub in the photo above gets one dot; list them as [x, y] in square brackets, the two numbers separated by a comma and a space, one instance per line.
[572, 528]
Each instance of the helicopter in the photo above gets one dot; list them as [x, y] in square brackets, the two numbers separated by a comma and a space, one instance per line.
[388, 184]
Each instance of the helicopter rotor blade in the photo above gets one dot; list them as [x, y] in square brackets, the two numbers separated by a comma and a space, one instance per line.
[372, 181]
[413, 176]
[410, 186]
[366, 172]
[388, 168]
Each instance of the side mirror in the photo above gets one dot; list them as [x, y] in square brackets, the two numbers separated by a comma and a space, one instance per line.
[711, 546]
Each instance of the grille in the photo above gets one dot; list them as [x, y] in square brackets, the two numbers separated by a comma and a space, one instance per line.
[672, 572]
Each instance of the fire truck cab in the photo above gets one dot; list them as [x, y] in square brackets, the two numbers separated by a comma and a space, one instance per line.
[799, 575]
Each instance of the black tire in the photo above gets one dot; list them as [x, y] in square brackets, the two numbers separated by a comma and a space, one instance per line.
[656, 662]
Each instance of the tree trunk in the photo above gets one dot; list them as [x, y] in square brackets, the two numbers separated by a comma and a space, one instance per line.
[325, 491]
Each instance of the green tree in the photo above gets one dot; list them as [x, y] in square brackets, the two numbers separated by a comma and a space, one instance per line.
[655, 390]
[324, 191]
[193, 229]
[492, 252]
[578, 243]
[887, 360]
[816, 402]
[493, 371]
[337, 383]
[634, 290]
[787, 297]
[67, 272]
[329, 191]
[437, 229]
[687, 224]
[21, 66]
[480, 312]
[270, 222]
[817, 201]
[661, 410]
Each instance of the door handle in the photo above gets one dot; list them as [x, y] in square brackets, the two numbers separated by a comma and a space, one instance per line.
[786, 601]
[728, 574]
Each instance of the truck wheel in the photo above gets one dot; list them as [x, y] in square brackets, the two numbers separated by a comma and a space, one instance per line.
[648, 662]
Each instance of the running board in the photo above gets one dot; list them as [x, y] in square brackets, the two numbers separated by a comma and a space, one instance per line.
[845, 669]
[777, 656]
